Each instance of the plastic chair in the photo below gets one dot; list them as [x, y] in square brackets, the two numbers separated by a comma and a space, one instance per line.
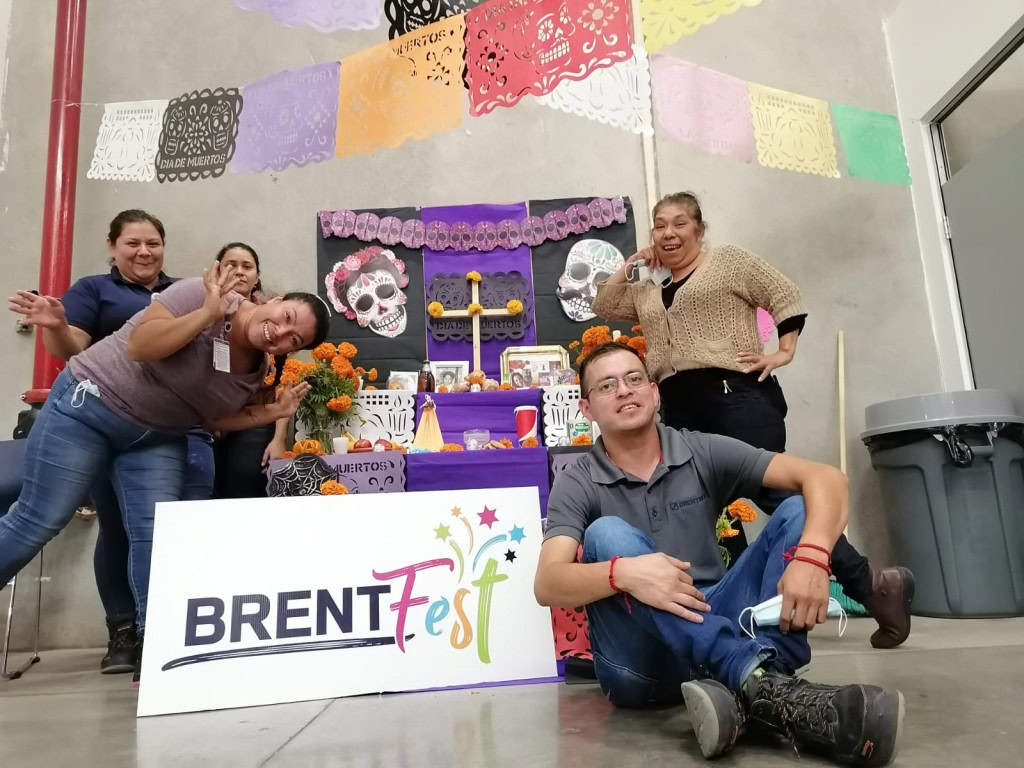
[12, 465]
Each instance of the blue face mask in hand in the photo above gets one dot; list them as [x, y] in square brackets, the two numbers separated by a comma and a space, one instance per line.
[768, 613]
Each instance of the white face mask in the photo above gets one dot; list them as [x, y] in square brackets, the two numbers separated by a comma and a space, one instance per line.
[768, 613]
[659, 275]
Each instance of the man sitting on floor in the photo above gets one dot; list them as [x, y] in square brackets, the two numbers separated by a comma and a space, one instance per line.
[662, 608]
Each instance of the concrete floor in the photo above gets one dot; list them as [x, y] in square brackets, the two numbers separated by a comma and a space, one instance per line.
[961, 680]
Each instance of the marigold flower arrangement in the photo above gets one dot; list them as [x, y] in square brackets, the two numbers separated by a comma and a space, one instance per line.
[582, 440]
[738, 510]
[333, 381]
[530, 442]
[601, 334]
[333, 488]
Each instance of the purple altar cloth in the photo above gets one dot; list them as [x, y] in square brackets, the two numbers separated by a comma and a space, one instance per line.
[494, 411]
[508, 468]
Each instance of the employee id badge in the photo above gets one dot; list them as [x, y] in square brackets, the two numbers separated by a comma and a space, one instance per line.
[221, 356]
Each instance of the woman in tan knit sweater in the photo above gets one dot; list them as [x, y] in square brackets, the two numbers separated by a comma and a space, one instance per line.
[705, 351]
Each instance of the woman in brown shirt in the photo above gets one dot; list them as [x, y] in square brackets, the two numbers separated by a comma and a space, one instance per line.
[705, 351]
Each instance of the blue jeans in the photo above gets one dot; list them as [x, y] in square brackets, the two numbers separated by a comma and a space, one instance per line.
[110, 559]
[75, 441]
[636, 668]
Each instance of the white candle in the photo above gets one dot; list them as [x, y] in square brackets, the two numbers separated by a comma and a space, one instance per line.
[340, 444]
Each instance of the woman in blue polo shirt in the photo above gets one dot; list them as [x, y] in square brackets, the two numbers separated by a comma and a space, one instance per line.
[92, 309]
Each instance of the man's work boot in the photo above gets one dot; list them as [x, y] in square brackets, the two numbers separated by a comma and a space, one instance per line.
[892, 591]
[853, 724]
[716, 714]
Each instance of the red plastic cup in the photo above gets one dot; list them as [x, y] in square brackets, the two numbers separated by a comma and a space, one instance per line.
[526, 422]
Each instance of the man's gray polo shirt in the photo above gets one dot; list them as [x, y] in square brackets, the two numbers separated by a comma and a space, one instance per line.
[699, 475]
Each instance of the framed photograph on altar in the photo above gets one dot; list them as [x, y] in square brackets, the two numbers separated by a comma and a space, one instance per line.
[525, 367]
[406, 380]
[448, 372]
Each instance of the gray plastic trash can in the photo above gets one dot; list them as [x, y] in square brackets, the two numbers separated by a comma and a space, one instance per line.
[952, 472]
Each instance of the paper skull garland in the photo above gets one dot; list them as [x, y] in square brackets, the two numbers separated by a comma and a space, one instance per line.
[514, 47]
[589, 262]
[367, 287]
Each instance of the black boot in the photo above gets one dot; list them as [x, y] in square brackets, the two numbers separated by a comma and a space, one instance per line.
[854, 724]
[138, 662]
[120, 656]
[717, 715]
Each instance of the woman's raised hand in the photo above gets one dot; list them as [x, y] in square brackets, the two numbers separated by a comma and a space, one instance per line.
[218, 283]
[41, 311]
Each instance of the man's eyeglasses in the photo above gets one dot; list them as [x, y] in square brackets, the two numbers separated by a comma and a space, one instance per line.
[606, 387]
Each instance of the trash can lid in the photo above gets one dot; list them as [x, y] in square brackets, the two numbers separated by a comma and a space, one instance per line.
[977, 406]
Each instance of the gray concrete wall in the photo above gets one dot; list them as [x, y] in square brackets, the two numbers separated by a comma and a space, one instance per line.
[849, 243]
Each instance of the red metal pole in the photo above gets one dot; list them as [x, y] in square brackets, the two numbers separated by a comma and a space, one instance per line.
[61, 171]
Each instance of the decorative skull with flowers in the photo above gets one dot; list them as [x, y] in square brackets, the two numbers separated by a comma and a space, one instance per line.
[589, 262]
[367, 287]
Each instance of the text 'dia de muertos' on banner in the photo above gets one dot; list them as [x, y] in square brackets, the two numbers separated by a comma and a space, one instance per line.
[394, 592]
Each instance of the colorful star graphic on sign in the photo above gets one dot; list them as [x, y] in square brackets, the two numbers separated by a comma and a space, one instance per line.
[456, 511]
[442, 532]
[488, 517]
[510, 556]
[516, 534]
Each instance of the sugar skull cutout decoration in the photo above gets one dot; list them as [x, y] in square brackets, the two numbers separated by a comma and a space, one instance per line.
[589, 262]
[367, 287]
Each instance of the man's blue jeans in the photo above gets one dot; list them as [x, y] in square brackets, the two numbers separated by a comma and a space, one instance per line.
[75, 440]
[642, 654]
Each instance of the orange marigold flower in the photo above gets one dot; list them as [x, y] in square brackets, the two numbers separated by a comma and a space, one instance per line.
[506, 386]
[474, 276]
[582, 440]
[580, 359]
[506, 443]
[574, 345]
[576, 380]
[639, 343]
[333, 488]
[598, 334]
[269, 380]
[530, 442]
[325, 352]
[476, 378]
[475, 309]
[442, 389]
[360, 370]
[637, 329]
[296, 366]
[308, 445]
[742, 510]
[288, 455]
[345, 349]
[451, 448]
[369, 389]
[623, 339]
[514, 307]
[341, 366]
[728, 533]
[435, 309]
[372, 375]
[289, 377]
[340, 404]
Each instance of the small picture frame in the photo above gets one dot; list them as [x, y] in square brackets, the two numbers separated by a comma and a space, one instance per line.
[405, 380]
[448, 373]
[525, 367]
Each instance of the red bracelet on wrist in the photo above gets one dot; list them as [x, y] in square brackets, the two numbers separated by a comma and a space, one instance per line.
[791, 555]
[820, 549]
[614, 586]
[611, 574]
